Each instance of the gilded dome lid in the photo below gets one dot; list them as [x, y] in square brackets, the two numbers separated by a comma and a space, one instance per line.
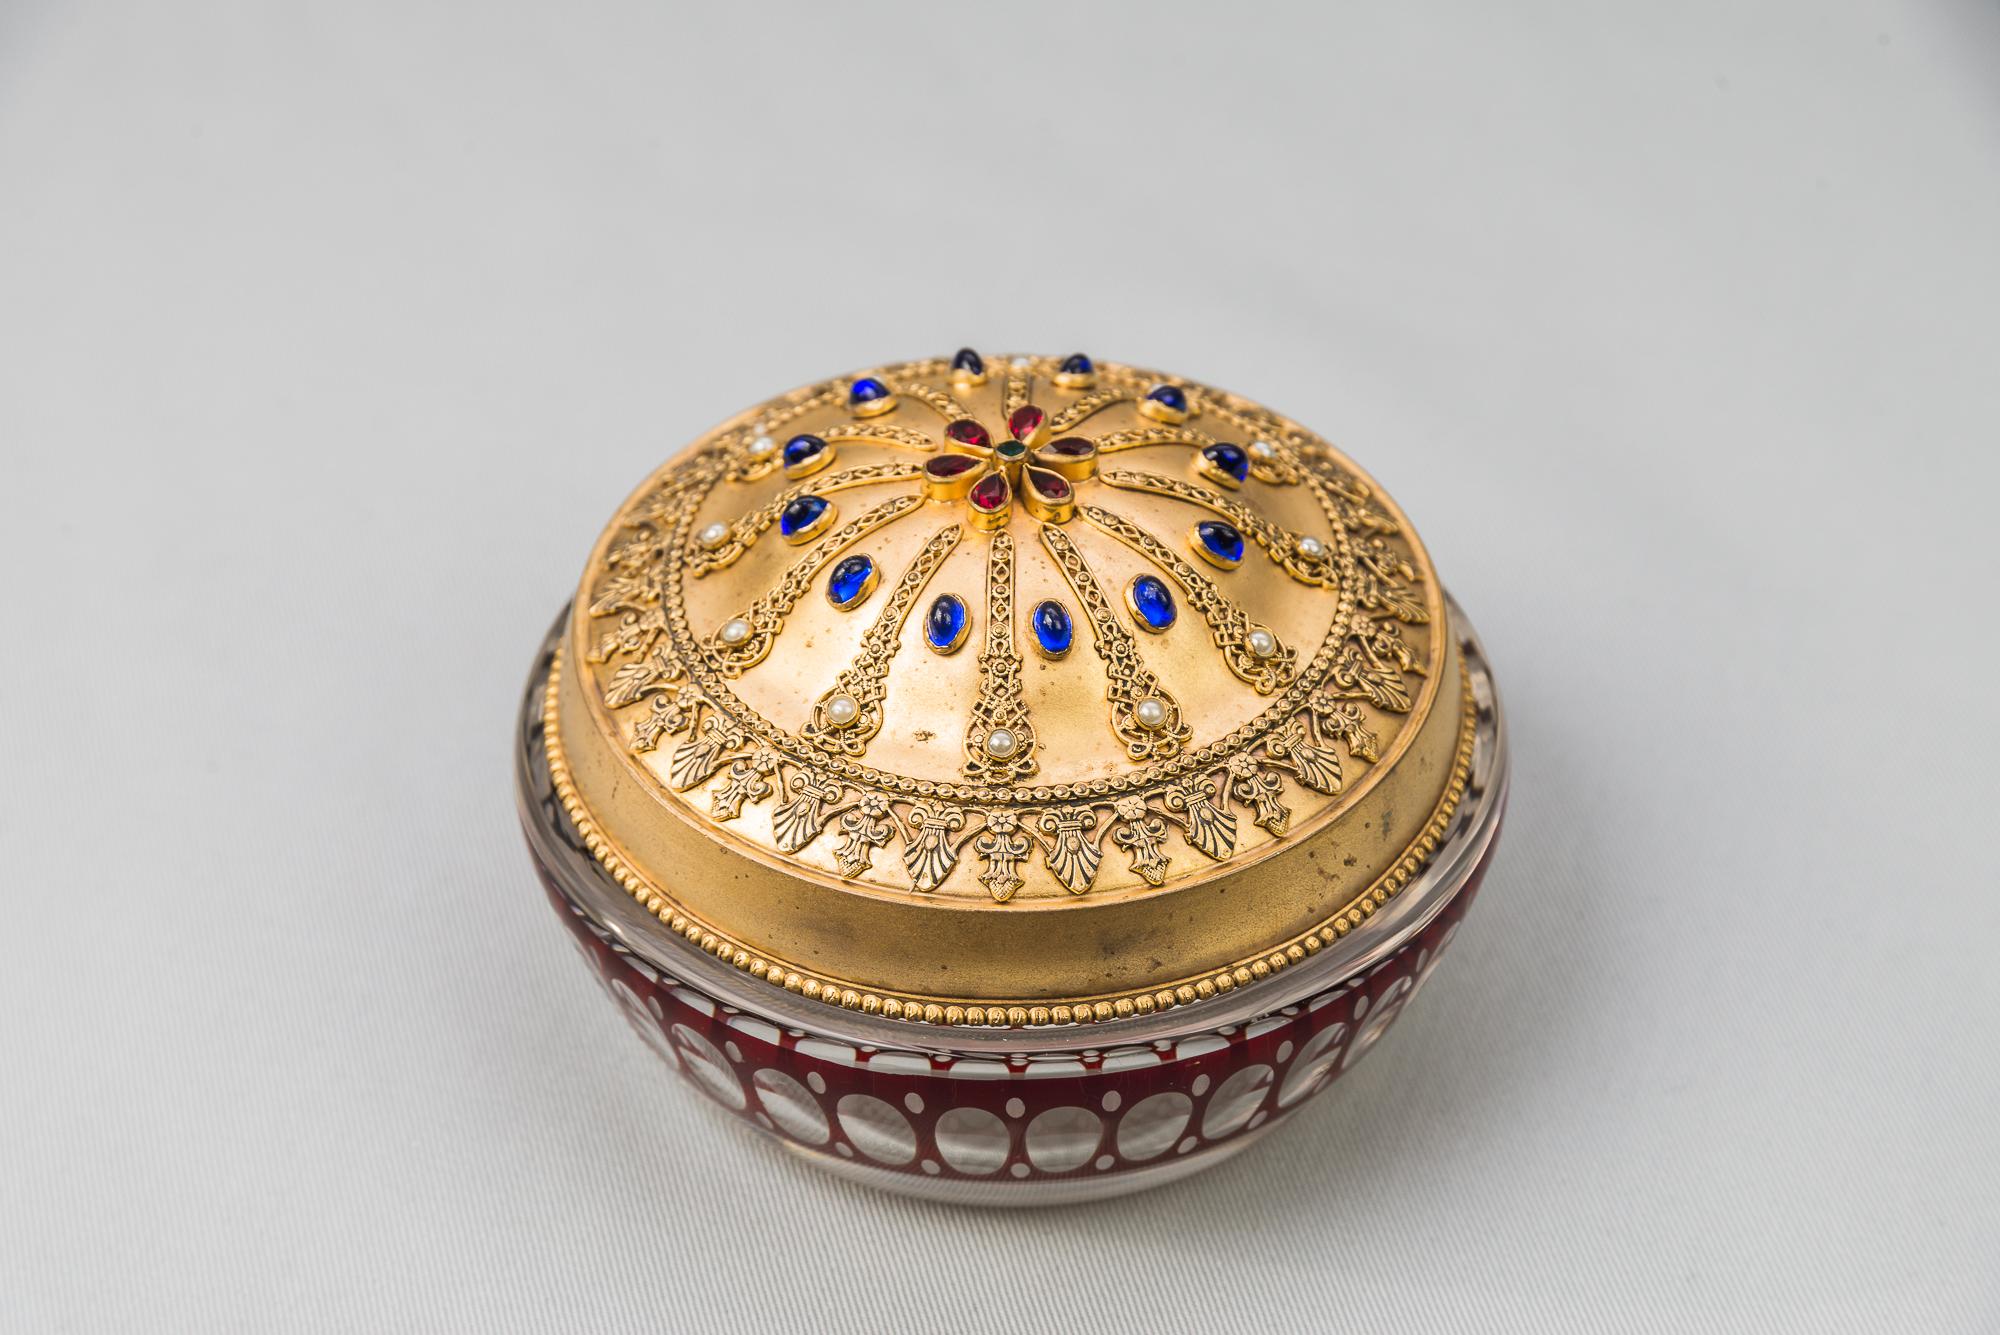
[1003, 682]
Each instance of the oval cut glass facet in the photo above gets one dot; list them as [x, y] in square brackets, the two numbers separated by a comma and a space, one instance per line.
[1152, 602]
[944, 625]
[1053, 631]
[849, 582]
[801, 514]
[1223, 541]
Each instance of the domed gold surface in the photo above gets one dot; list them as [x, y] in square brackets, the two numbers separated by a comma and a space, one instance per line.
[765, 720]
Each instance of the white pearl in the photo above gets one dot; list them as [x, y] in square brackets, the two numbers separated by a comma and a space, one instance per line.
[713, 535]
[1001, 742]
[762, 447]
[1263, 449]
[734, 631]
[1022, 363]
[1262, 643]
[1311, 548]
[1150, 712]
[842, 710]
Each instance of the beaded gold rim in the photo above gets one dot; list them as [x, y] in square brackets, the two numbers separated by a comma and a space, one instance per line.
[941, 1011]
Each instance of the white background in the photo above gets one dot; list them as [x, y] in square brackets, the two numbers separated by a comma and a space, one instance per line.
[331, 333]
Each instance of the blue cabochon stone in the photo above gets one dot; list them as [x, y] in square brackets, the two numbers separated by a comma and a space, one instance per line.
[849, 578]
[801, 514]
[1225, 540]
[1053, 630]
[801, 448]
[866, 390]
[1153, 602]
[945, 622]
[1230, 459]
[1168, 396]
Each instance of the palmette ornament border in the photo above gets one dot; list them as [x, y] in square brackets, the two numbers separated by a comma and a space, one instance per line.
[668, 686]
[953, 1012]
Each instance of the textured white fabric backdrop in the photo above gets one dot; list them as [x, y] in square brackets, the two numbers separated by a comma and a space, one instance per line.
[331, 333]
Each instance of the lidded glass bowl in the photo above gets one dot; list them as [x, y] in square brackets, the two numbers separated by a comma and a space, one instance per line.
[1014, 779]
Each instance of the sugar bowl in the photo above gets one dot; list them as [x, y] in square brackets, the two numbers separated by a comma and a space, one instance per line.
[1011, 780]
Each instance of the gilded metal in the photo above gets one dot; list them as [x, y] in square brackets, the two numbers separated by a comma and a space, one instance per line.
[781, 775]
[734, 537]
[1348, 945]
[937, 400]
[864, 828]
[880, 433]
[1072, 415]
[1306, 558]
[861, 682]
[1144, 715]
[1256, 654]
[766, 616]
[999, 706]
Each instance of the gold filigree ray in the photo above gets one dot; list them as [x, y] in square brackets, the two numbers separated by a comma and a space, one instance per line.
[937, 400]
[1139, 437]
[753, 524]
[1228, 626]
[1000, 706]
[879, 433]
[1082, 410]
[766, 616]
[1306, 559]
[861, 685]
[1016, 397]
[1144, 714]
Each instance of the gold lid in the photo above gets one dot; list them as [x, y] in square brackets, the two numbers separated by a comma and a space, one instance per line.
[1008, 690]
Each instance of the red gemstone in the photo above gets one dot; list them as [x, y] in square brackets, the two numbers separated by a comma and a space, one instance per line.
[989, 493]
[1070, 447]
[950, 465]
[1026, 421]
[1052, 486]
[969, 433]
